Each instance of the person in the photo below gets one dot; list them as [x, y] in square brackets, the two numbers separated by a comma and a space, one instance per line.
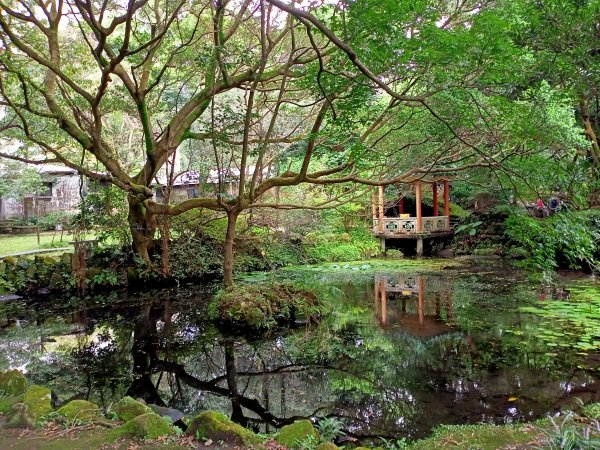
[539, 203]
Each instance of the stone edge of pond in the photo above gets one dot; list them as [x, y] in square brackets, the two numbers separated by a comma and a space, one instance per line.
[24, 405]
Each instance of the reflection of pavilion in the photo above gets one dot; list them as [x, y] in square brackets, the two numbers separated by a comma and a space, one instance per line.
[402, 301]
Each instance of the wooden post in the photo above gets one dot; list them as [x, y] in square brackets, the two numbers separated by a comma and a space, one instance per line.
[420, 247]
[435, 198]
[418, 202]
[381, 209]
[374, 207]
[447, 199]
[401, 204]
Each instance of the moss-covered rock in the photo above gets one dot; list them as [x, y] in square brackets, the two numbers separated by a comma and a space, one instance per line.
[128, 408]
[6, 403]
[38, 401]
[218, 427]
[10, 260]
[264, 305]
[13, 382]
[20, 417]
[79, 410]
[56, 281]
[146, 426]
[328, 446]
[291, 435]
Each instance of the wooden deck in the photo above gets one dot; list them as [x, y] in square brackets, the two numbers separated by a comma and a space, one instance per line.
[406, 228]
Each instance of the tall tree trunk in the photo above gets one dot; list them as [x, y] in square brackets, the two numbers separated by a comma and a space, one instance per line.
[594, 150]
[143, 226]
[228, 251]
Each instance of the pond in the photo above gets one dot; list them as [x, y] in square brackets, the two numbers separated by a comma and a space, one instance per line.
[409, 345]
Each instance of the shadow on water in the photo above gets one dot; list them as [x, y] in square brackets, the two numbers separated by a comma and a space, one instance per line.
[402, 353]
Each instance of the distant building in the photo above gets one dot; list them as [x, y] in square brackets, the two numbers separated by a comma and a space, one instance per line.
[192, 184]
[59, 193]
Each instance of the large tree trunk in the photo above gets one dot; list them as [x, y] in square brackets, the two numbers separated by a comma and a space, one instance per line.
[228, 251]
[143, 227]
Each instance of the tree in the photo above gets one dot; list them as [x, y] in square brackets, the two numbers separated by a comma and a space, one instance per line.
[328, 83]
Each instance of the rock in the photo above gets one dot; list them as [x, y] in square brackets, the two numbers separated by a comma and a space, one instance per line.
[23, 263]
[66, 259]
[218, 427]
[56, 281]
[45, 260]
[13, 382]
[6, 403]
[133, 274]
[37, 399]
[327, 446]
[79, 410]
[31, 272]
[20, 417]
[146, 426]
[174, 414]
[298, 431]
[10, 261]
[128, 408]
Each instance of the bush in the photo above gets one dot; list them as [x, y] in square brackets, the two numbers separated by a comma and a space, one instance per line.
[569, 236]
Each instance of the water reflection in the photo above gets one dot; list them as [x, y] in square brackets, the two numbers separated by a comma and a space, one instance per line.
[401, 354]
[421, 309]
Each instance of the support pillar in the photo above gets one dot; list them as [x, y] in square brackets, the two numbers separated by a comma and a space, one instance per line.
[381, 209]
[447, 199]
[420, 247]
[418, 202]
[383, 248]
[374, 208]
[401, 205]
[435, 198]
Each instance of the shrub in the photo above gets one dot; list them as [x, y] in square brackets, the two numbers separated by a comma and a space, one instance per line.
[567, 235]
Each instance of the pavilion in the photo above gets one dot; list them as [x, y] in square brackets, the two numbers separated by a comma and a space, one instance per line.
[394, 223]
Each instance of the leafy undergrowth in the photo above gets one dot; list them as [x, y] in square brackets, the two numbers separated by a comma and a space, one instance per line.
[266, 305]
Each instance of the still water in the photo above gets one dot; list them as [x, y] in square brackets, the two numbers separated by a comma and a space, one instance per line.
[408, 346]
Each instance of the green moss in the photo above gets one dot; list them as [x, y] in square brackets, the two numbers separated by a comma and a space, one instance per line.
[128, 408]
[146, 426]
[10, 260]
[481, 437]
[13, 382]
[218, 427]
[79, 410]
[327, 446]
[37, 399]
[20, 417]
[291, 435]
[6, 403]
[264, 305]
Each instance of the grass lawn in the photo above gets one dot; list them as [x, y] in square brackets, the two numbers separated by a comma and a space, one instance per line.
[13, 244]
